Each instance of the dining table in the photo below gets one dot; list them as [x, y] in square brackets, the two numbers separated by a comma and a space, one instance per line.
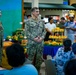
[50, 50]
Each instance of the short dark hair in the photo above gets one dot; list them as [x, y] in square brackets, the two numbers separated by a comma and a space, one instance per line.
[70, 67]
[67, 43]
[50, 18]
[62, 18]
[34, 8]
[15, 55]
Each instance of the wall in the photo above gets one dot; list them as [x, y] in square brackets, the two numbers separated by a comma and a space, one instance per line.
[51, 12]
[47, 1]
[11, 15]
[44, 12]
[51, 1]
[72, 1]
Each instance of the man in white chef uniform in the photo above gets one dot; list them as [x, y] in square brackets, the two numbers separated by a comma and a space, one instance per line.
[70, 27]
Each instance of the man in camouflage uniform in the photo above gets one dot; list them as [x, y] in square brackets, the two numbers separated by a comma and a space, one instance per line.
[35, 33]
[1, 42]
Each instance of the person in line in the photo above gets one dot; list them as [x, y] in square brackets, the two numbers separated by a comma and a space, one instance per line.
[70, 67]
[16, 58]
[1, 42]
[63, 55]
[74, 48]
[70, 27]
[35, 33]
[61, 23]
[49, 27]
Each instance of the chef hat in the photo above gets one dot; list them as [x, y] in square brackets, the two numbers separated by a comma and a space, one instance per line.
[71, 15]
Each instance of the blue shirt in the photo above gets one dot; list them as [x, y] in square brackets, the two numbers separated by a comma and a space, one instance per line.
[3, 72]
[61, 58]
[72, 25]
[27, 69]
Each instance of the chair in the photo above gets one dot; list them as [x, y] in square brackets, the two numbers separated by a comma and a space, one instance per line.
[50, 67]
[42, 69]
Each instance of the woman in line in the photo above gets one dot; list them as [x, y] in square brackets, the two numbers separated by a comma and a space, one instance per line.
[63, 55]
[16, 58]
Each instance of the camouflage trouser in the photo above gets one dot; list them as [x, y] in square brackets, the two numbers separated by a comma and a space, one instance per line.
[1, 48]
[35, 54]
[0, 56]
[1, 42]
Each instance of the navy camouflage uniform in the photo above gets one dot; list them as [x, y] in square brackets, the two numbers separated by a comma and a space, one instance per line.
[1, 42]
[34, 28]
